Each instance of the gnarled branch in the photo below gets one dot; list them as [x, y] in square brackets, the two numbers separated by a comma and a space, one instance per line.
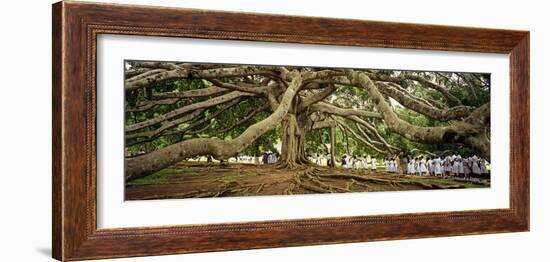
[177, 112]
[220, 149]
[431, 135]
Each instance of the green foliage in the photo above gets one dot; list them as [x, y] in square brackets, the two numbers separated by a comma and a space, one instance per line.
[160, 177]
[316, 140]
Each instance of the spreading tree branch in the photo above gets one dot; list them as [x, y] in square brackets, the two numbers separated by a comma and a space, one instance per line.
[177, 112]
[361, 138]
[220, 149]
[431, 135]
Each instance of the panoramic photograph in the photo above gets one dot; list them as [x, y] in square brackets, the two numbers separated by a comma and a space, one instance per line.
[202, 130]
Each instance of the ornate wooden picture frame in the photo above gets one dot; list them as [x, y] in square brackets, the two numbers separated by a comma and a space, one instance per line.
[76, 26]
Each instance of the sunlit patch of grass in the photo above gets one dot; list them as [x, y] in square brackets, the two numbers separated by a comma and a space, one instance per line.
[161, 177]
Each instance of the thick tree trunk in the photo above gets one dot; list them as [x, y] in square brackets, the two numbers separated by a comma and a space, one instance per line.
[293, 140]
[332, 146]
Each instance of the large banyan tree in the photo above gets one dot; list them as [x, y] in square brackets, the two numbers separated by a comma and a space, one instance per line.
[176, 111]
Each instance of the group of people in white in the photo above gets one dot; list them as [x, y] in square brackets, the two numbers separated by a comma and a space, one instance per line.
[356, 162]
[450, 165]
[352, 162]
[265, 158]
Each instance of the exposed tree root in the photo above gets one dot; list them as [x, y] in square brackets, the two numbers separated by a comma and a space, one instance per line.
[319, 180]
[287, 165]
[299, 164]
[328, 186]
[310, 187]
[356, 177]
[221, 181]
[260, 187]
[360, 183]
[289, 190]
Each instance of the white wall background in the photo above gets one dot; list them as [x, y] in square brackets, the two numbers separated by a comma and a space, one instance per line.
[25, 131]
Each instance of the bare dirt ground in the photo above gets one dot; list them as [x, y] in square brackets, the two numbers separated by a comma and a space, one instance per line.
[199, 179]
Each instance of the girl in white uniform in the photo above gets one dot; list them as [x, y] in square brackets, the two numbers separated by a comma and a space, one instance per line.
[409, 166]
[422, 167]
[432, 167]
[456, 165]
[393, 167]
[448, 165]
[438, 169]
[373, 164]
[476, 169]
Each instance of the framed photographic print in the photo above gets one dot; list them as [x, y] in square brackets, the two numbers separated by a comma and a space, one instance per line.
[181, 130]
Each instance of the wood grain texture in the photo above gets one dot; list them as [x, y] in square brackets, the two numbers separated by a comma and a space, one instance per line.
[519, 129]
[57, 195]
[75, 29]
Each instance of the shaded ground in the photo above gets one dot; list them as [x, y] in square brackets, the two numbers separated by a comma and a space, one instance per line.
[199, 179]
